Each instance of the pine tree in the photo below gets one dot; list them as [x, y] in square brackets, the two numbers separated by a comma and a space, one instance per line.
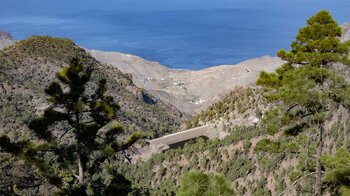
[306, 87]
[196, 183]
[75, 136]
[337, 172]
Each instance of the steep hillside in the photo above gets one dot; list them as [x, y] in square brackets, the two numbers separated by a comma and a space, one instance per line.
[242, 106]
[250, 171]
[27, 67]
[189, 91]
[240, 157]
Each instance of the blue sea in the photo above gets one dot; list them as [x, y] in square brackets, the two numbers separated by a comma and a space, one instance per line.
[181, 34]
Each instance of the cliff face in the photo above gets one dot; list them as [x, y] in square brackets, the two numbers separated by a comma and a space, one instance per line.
[5, 39]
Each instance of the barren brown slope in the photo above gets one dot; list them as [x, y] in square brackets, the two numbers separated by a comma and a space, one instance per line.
[189, 91]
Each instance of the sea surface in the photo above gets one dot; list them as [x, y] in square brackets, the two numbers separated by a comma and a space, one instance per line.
[181, 34]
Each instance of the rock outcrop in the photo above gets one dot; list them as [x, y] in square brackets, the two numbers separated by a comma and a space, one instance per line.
[5, 39]
[346, 32]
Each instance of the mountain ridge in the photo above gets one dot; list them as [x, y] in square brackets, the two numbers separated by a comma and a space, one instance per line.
[27, 66]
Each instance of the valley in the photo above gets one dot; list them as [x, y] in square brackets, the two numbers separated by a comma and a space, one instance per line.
[257, 126]
[189, 91]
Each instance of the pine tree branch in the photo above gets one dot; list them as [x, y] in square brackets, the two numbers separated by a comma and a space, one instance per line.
[293, 106]
[65, 133]
[75, 175]
[305, 115]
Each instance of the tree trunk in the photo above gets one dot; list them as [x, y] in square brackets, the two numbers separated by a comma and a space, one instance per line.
[80, 164]
[318, 182]
[81, 172]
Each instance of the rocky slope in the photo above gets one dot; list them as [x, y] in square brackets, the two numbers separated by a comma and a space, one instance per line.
[237, 156]
[28, 66]
[189, 91]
